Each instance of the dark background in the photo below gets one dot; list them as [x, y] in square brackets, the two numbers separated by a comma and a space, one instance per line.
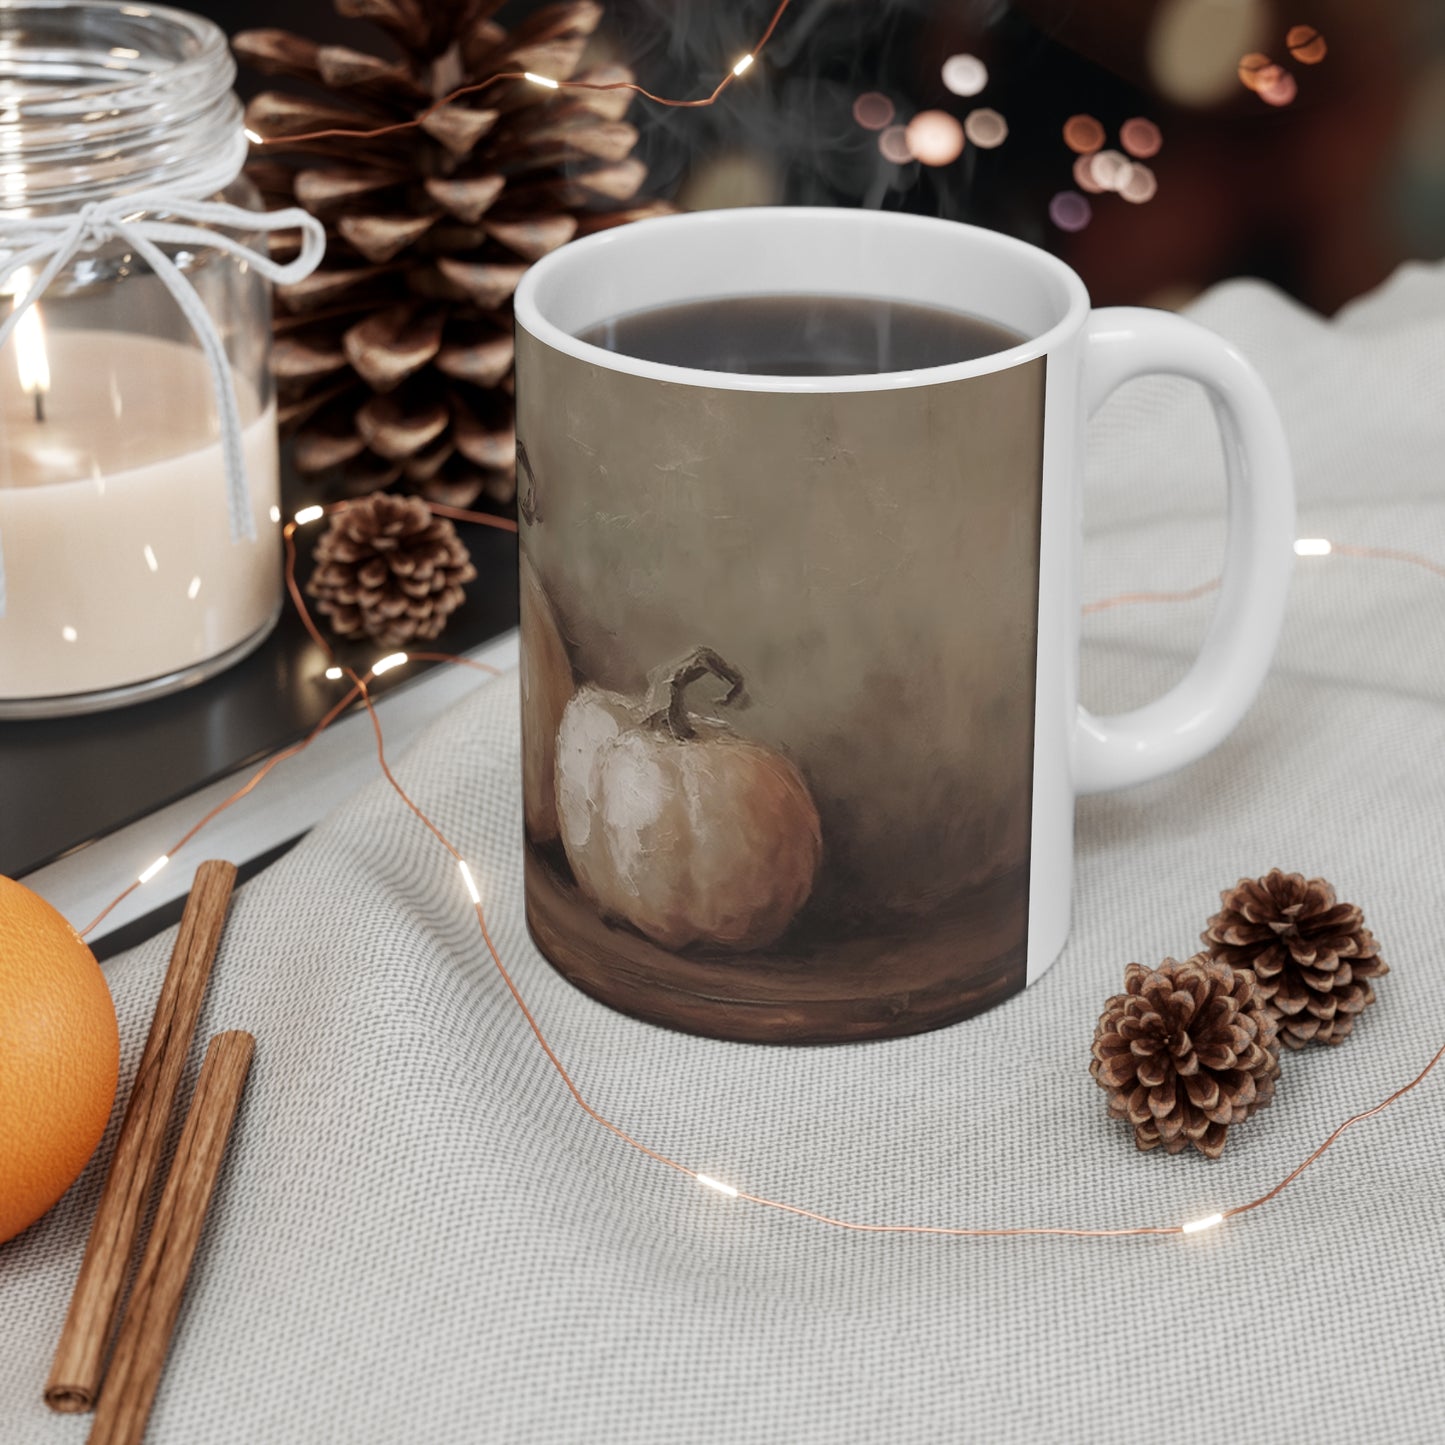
[1323, 196]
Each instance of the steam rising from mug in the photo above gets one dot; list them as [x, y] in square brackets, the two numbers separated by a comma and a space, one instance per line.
[792, 130]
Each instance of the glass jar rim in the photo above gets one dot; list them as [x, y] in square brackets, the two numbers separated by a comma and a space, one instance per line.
[210, 46]
[104, 97]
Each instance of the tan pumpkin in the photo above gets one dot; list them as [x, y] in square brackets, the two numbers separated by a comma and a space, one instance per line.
[546, 685]
[675, 824]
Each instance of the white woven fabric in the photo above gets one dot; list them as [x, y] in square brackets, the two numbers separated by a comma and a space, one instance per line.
[418, 1236]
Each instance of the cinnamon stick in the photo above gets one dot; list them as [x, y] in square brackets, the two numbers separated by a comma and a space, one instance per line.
[75, 1372]
[155, 1298]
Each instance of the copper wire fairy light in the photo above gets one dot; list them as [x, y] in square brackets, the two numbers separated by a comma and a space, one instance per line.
[739, 68]
[1084, 136]
[360, 691]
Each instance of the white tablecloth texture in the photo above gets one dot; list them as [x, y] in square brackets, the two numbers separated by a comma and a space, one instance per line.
[419, 1237]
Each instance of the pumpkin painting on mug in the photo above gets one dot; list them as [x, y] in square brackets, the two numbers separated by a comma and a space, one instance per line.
[675, 824]
[843, 851]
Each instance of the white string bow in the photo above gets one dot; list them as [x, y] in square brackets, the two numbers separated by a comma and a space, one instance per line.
[52, 242]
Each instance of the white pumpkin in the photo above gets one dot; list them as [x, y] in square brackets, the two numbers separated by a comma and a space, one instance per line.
[678, 826]
[546, 686]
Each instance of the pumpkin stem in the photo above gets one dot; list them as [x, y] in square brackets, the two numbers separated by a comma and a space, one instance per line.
[673, 681]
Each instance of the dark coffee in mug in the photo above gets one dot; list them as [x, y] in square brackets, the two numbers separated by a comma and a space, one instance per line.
[801, 335]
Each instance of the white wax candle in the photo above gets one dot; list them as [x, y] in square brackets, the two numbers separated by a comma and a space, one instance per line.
[114, 523]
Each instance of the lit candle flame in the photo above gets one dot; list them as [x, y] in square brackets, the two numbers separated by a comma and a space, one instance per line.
[31, 359]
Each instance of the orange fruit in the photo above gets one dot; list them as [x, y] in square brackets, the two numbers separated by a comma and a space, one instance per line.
[59, 1056]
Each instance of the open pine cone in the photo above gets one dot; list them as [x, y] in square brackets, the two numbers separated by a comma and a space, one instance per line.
[388, 570]
[394, 359]
[1187, 1050]
[1313, 956]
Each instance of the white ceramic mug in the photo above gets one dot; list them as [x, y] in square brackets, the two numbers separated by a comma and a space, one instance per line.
[891, 564]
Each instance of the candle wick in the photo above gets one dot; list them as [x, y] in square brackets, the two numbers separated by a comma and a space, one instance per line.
[39, 404]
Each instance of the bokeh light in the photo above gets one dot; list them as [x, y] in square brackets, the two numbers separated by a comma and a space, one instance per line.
[1252, 66]
[1083, 134]
[1194, 46]
[1306, 44]
[1070, 211]
[934, 137]
[1084, 175]
[1279, 88]
[1140, 185]
[1110, 170]
[1140, 137]
[893, 142]
[965, 74]
[873, 110]
[1266, 76]
[985, 128]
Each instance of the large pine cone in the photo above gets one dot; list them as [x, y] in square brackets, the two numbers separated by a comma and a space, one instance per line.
[1187, 1050]
[394, 359]
[388, 570]
[1313, 956]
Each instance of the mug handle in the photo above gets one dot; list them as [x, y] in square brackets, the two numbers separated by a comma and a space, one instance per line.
[1195, 715]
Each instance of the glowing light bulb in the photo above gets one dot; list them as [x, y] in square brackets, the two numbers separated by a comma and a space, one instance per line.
[1277, 86]
[1083, 134]
[309, 514]
[873, 110]
[964, 74]
[542, 80]
[1252, 67]
[385, 664]
[155, 868]
[1306, 44]
[1196, 1225]
[1139, 185]
[893, 143]
[1070, 211]
[1110, 169]
[333, 674]
[1141, 138]
[275, 513]
[742, 64]
[469, 880]
[256, 140]
[708, 1182]
[1313, 547]
[1192, 47]
[934, 137]
[985, 128]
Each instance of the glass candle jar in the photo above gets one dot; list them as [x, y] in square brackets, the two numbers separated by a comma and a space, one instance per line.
[136, 561]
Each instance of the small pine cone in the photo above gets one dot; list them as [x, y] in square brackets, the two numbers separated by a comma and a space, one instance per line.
[1185, 1051]
[1313, 957]
[389, 570]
